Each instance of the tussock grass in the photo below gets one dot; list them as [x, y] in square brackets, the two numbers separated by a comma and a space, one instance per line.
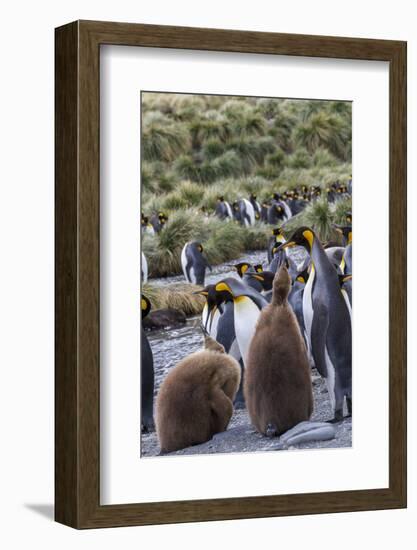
[177, 296]
[226, 242]
[320, 216]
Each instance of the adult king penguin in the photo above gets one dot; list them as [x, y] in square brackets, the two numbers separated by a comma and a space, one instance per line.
[218, 321]
[147, 375]
[247, 304]
[194, 263]
[327, 321]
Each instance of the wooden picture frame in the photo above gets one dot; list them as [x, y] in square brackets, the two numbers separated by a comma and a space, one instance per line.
[77, 382]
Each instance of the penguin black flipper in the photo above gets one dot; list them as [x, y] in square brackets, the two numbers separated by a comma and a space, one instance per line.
[318, 338]
[147, 386]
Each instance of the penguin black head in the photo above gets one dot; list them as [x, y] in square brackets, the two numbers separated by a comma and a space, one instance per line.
[303, 236]
[349, 218]
[145, 306]
[278, 208]
[220, 199]
[266, 278]
[163, 218]
[213, 299]
[252, 197]
[302, 277]
[345, 231]
[258, 268]
[144, 220]
[276, 196]
[242, 267]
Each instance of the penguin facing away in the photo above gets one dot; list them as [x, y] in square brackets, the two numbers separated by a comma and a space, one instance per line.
[327, 321]
[194, 263]
[278, 389]
[147, 375]
[195, 401]
[223, 209]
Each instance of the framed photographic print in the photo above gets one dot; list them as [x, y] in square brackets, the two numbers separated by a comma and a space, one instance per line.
[217, 354]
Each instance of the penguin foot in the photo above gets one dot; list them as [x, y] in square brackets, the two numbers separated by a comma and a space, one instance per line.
[271, 430]
[334, 420]
[338, 417]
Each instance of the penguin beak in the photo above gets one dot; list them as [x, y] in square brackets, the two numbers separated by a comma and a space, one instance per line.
[258, 277]
[288, 244]
[201, 292]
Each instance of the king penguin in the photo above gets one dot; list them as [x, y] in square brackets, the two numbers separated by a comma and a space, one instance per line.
[327, 321]
[218, 321]
[247, 304]
[194, 263]
[147, 375]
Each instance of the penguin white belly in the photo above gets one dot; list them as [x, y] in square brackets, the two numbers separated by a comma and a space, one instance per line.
[346, 297]
[287, 210]
[229, 210]
[308, 306]
[250, 211]
[144, 268]
[204, 317]
[213, 325]
[184, 261]
[246, 316]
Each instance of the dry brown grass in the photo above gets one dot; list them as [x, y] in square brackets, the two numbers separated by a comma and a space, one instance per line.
[176, 295]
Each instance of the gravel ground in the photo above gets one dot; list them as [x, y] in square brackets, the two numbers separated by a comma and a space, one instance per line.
[242, 437]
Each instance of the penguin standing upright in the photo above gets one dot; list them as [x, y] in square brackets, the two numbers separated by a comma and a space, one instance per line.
[223, 209]
[327, 321]
[278, 388]
[244, 212]
[218, 321]
[247, 304]
[147, 375]
[256, 206]
[147, 227]
[194, 263]
[346, 261]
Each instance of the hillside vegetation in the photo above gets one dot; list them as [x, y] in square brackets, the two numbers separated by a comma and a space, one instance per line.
[196, 148]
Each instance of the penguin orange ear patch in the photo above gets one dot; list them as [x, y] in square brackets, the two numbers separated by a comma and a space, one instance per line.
[220, 287]
[308, 235]
[143, 304]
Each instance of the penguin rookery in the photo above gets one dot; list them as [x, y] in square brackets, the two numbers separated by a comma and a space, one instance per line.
[245, 272]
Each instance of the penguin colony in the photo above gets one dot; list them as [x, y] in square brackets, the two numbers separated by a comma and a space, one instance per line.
[264, 330]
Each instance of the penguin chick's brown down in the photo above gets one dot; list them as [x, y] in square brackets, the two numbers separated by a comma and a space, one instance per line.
[195, 400]
[278, 388]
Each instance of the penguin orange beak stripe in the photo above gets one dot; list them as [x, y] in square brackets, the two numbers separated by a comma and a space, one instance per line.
[288, 244]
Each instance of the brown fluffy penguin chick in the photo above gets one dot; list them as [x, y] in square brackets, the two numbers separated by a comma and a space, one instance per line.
[277, 386]
[195, 400]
